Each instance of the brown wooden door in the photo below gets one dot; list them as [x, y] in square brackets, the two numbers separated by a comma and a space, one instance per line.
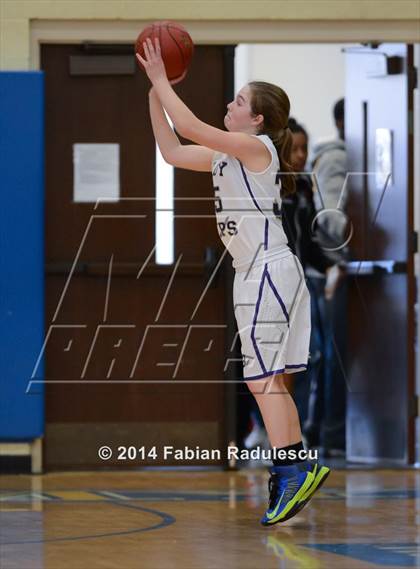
[131, 359]
[379, 103]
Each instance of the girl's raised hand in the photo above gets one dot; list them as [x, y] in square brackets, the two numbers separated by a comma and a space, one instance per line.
[153, 64]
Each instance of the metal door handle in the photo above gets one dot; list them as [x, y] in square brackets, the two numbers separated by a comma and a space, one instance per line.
[376, 267]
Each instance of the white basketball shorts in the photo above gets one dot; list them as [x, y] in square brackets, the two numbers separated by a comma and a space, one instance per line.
[273, 314]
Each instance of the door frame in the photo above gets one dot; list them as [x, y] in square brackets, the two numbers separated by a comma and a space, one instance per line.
[224, 32]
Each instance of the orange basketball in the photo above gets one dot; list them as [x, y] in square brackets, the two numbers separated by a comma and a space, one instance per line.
[175, 43]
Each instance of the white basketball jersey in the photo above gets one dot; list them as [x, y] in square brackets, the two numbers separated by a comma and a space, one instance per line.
[246, 205]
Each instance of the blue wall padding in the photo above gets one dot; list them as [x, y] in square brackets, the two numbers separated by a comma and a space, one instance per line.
[21, 253]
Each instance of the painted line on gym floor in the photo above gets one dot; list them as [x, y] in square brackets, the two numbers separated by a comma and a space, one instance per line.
[166, 520]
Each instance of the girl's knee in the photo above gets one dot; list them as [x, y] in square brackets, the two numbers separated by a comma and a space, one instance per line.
[272, 384]
[256, 386]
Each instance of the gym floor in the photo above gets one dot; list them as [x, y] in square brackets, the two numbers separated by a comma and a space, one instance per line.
[204, 518]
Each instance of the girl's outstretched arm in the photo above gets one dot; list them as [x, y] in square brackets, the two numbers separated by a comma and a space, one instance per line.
[241, 145]
[191, 157]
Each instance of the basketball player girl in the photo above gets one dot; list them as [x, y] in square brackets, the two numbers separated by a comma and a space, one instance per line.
[250, 162]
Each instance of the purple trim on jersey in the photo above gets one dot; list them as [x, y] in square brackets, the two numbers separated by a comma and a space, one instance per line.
[256, 205]
[275, 372]
[265, 275]
[249, 188]
[257, 307]
[276, 294]
[266, 234]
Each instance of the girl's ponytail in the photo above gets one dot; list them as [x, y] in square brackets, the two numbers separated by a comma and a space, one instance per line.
[283, 144]
[273, 103]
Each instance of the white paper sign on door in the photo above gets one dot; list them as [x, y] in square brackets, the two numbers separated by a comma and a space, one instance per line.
[96, 172]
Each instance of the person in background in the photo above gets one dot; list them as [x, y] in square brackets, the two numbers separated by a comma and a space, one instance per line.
[329, 165]
[324, 425]
[299, 212]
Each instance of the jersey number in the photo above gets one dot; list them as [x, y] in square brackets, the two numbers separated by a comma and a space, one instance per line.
[217, 202]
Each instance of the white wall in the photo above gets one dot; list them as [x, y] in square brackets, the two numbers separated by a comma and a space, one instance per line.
[311, 74]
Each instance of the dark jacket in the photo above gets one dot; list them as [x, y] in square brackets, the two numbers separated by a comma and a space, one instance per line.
[297, 212]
